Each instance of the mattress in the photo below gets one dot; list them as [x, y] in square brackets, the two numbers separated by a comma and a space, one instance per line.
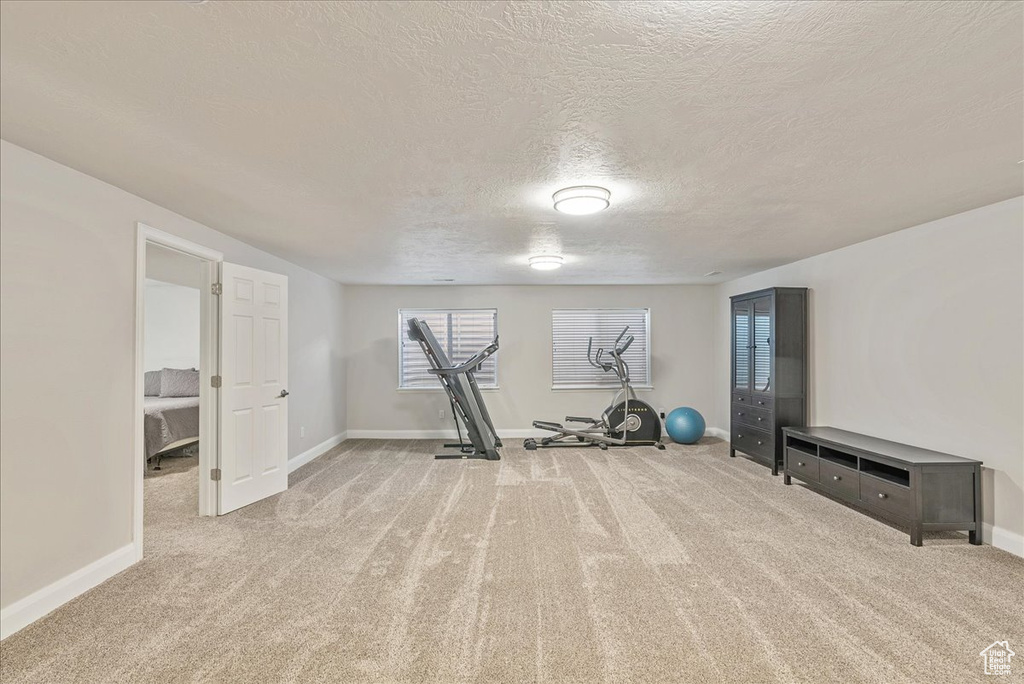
[169, 420]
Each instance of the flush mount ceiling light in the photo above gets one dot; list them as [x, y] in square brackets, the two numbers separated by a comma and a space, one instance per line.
[546, 262]
[582, 199]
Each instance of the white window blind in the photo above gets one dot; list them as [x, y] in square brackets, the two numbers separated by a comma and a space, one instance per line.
[460, 332]
[572, 328]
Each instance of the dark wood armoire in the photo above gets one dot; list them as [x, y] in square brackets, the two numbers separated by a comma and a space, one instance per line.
[769, 371]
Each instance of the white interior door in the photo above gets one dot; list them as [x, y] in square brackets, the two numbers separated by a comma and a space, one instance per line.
[254, 381]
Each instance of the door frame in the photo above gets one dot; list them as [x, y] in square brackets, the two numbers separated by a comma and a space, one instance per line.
[208, 367]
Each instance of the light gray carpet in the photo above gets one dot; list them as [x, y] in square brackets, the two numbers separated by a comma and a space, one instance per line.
[380, 564]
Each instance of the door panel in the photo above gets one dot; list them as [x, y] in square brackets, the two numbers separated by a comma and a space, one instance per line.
[254, 374]
[741, 345]
[762, 344]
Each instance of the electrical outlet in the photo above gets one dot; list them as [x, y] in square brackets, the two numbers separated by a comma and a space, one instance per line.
[440, 413]
[302, 431]
[661, 412]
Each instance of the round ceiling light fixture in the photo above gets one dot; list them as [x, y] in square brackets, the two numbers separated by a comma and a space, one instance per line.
[582, 199]
[546, 262]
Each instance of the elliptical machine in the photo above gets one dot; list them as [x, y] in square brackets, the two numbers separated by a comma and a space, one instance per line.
[626, 422]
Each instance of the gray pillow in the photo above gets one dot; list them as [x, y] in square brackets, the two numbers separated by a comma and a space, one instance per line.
[175, 382]
[152, 384]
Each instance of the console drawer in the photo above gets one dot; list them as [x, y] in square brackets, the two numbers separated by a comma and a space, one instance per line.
[886, 496]
[751, 415]
[799, 464]
[752, 441]
[839, 479]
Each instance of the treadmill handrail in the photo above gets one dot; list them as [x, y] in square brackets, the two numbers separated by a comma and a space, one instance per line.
[471, 364]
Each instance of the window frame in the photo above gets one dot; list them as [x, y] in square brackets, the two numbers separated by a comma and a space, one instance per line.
[649, 386]
[404, 336]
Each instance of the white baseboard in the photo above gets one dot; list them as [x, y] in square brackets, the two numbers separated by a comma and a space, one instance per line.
[437, 434]
[34, 606]
[450, 434]
[1002, 538]
[717, 432]
[319, 450]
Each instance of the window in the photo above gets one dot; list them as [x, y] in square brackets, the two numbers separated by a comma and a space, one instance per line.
[461, 333]
[572, 328]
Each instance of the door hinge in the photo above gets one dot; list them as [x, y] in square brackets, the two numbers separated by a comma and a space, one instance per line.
[218, 288]
[215, 474]
[215, 381]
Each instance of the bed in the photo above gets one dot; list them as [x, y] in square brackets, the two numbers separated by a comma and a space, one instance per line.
[170, 423]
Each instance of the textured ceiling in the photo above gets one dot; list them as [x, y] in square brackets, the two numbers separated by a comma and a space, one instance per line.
[408, 142]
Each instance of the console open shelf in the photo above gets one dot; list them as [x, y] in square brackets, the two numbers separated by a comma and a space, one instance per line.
[883, 471]
[838, 457]
[809, 448]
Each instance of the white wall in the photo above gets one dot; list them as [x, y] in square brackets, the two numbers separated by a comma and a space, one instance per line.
[67, 336]
[172, 326]
[682, 351]
[170, 266]
[917, 337]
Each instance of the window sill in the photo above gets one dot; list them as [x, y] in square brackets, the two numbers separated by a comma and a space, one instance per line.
[495, 388]
[598, 388]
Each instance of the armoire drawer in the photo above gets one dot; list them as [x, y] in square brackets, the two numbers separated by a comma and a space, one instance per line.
[751, 415]
[761, 401]
[741, 398]
[752, 441]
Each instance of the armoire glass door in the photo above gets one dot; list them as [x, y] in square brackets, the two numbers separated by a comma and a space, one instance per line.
[762, 344]
[741, 314]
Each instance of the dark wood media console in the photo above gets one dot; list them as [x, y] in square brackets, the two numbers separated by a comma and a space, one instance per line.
[918, 488]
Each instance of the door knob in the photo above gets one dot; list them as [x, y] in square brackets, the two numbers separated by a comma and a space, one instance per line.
[284, 393]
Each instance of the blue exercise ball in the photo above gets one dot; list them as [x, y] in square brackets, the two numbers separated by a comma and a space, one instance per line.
[685, 425]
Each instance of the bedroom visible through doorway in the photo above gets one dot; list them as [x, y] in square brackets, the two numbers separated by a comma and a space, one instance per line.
[172, 362]
[176, 359]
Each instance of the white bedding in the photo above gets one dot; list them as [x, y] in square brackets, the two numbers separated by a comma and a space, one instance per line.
[169, 420]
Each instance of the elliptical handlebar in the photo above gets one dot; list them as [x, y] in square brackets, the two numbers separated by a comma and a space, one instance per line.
[595, 359]
[617, 351]
[620, 349]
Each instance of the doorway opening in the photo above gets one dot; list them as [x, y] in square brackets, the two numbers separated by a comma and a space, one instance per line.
[176, 359]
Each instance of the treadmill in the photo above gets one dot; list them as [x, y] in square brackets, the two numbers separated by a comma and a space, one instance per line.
[463, 394]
